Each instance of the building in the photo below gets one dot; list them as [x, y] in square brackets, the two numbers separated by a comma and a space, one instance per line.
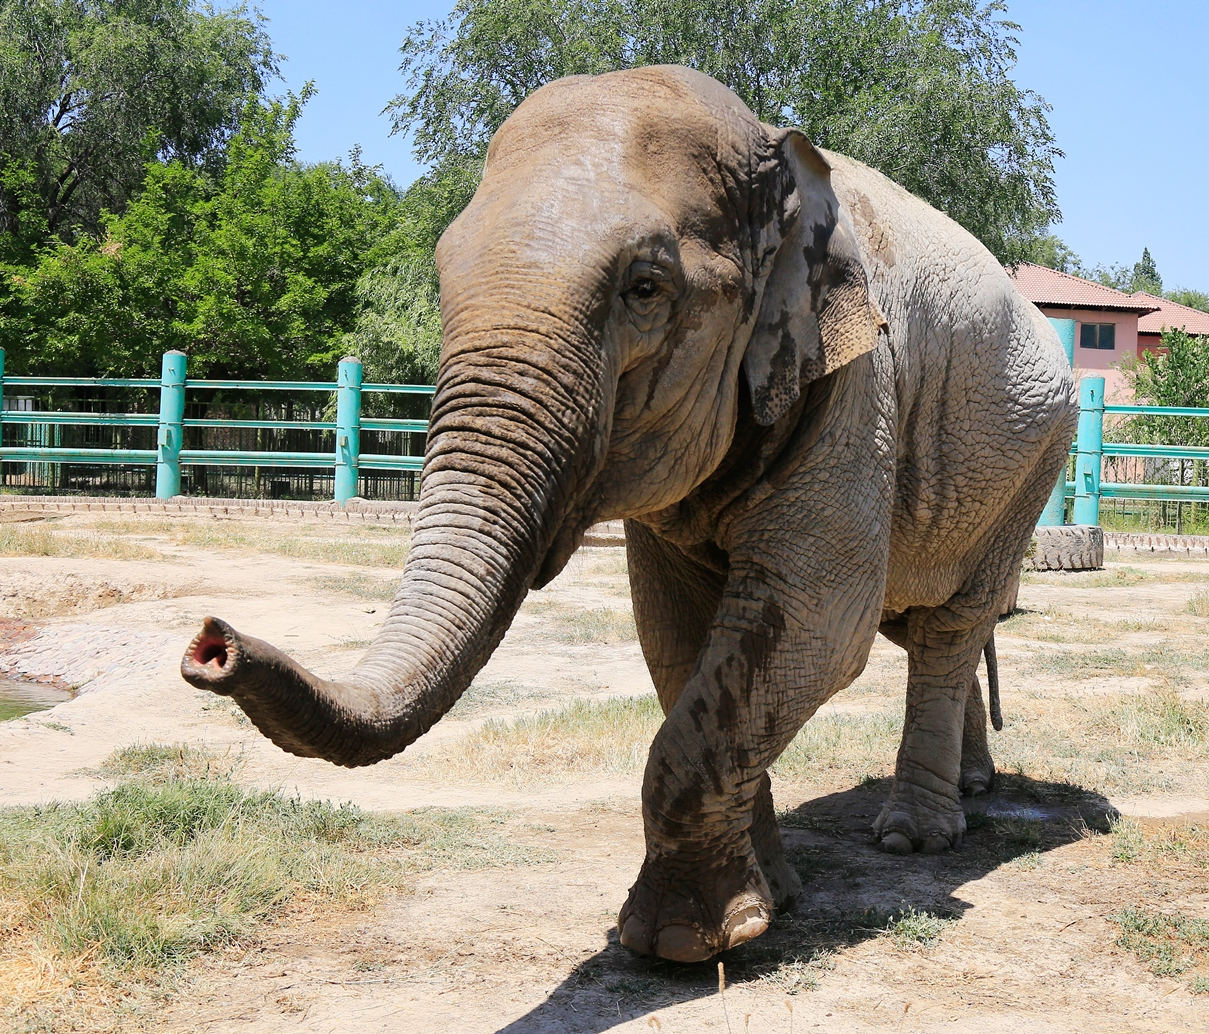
[1107, 327]
[1167, 316]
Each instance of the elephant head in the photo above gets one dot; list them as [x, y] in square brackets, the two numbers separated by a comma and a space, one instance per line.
[642, 262]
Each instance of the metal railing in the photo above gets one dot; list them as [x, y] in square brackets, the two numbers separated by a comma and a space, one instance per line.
[347, 461]
[1090, 449]
[170, 455]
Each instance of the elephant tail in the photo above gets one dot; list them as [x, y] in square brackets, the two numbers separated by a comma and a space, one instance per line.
[993, 683]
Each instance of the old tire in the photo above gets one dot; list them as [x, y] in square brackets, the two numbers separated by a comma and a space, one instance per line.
[1071, 547]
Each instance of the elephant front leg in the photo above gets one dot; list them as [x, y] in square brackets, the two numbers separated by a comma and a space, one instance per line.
[715, 871]
[941, 752]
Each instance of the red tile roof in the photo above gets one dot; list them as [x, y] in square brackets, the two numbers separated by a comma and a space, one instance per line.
[1171, 315]
[1048, 287]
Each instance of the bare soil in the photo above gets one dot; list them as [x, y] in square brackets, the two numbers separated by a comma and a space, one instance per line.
[1028, 944]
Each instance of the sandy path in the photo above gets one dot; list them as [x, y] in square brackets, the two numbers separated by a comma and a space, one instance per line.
[534, 949]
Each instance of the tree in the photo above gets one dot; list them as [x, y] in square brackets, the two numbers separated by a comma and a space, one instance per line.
[397, 334]
[91, 90]
[1052, 252]
[1179, 376]
[920, 89]
[253, 272]
[1145, 276]
[1187, 296]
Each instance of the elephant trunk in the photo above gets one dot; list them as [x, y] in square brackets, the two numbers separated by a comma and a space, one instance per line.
[515, 437]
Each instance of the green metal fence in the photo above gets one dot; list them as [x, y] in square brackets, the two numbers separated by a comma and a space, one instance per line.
[348, 462]
[170, 455]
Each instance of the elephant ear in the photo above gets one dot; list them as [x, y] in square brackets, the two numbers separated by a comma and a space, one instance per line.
[815, 313]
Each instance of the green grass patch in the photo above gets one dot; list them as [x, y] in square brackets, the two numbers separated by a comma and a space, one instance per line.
[1198, 604]
[1170, 945]
[1157, 722]
[161, 763]
[911, 927]
[1130, 743]
[125, 887]
[1164, 660]
[485, 697]
[1181, 844]
[583, 626]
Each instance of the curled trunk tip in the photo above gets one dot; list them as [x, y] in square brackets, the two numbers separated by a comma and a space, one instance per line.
[212, 659]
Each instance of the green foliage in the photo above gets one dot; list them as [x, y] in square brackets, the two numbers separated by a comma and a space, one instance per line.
[251, 270]
[92, 91]
[917, 88]
[1052, 252]
[1187, 296]
[1145, 276]
[1178, 377]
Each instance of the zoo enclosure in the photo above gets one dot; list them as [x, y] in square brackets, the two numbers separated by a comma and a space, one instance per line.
[33, 437]
[344, 462]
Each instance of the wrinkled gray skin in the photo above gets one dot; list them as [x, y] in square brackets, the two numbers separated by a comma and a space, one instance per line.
[822, 408]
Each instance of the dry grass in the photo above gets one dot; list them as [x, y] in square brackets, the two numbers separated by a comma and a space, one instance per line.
[586, 738]
[19, 540]
[358, 545]
[1111, 744]
[582, 626]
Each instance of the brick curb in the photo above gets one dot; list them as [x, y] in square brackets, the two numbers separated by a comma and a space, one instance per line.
[356, 511]
[1158, 545]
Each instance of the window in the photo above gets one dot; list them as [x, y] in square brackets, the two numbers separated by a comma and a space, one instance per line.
[1098, 335]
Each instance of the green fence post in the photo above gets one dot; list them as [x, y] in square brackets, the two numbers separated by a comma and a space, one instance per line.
[1055, 507]
[1089, 445]
[171, 426]
[348, 428]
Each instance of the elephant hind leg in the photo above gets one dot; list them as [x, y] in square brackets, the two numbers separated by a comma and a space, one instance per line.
[977, 765]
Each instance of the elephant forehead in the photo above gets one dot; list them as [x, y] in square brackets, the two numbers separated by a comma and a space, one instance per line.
[669, 133]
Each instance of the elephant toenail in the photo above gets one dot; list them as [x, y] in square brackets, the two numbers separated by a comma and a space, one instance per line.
[897, 843]
[745, 924]
[936, 843]
[680, 943]
[634, 935]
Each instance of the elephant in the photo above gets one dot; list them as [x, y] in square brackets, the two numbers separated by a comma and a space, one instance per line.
[821, 408]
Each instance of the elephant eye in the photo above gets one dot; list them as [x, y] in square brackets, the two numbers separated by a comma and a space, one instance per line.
[648, 296]
[644, 288]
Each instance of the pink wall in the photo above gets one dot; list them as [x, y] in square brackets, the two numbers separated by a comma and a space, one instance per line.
[1102, 362]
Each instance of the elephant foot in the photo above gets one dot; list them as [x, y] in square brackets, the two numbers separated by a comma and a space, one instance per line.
[977, 777]
[919, 820]
[681, 912]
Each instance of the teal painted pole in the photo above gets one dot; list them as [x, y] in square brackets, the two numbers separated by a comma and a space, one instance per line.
[1066, 334]
[348, 428]
[1054, 513]
[1089, 446]
[171, 426]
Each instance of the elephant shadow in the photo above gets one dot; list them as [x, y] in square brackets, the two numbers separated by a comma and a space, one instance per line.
[851, 892]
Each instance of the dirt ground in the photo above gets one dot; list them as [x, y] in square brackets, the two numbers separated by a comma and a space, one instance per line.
[1027, 944]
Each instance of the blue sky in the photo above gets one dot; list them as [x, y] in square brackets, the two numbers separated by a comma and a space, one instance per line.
[1127, 82]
